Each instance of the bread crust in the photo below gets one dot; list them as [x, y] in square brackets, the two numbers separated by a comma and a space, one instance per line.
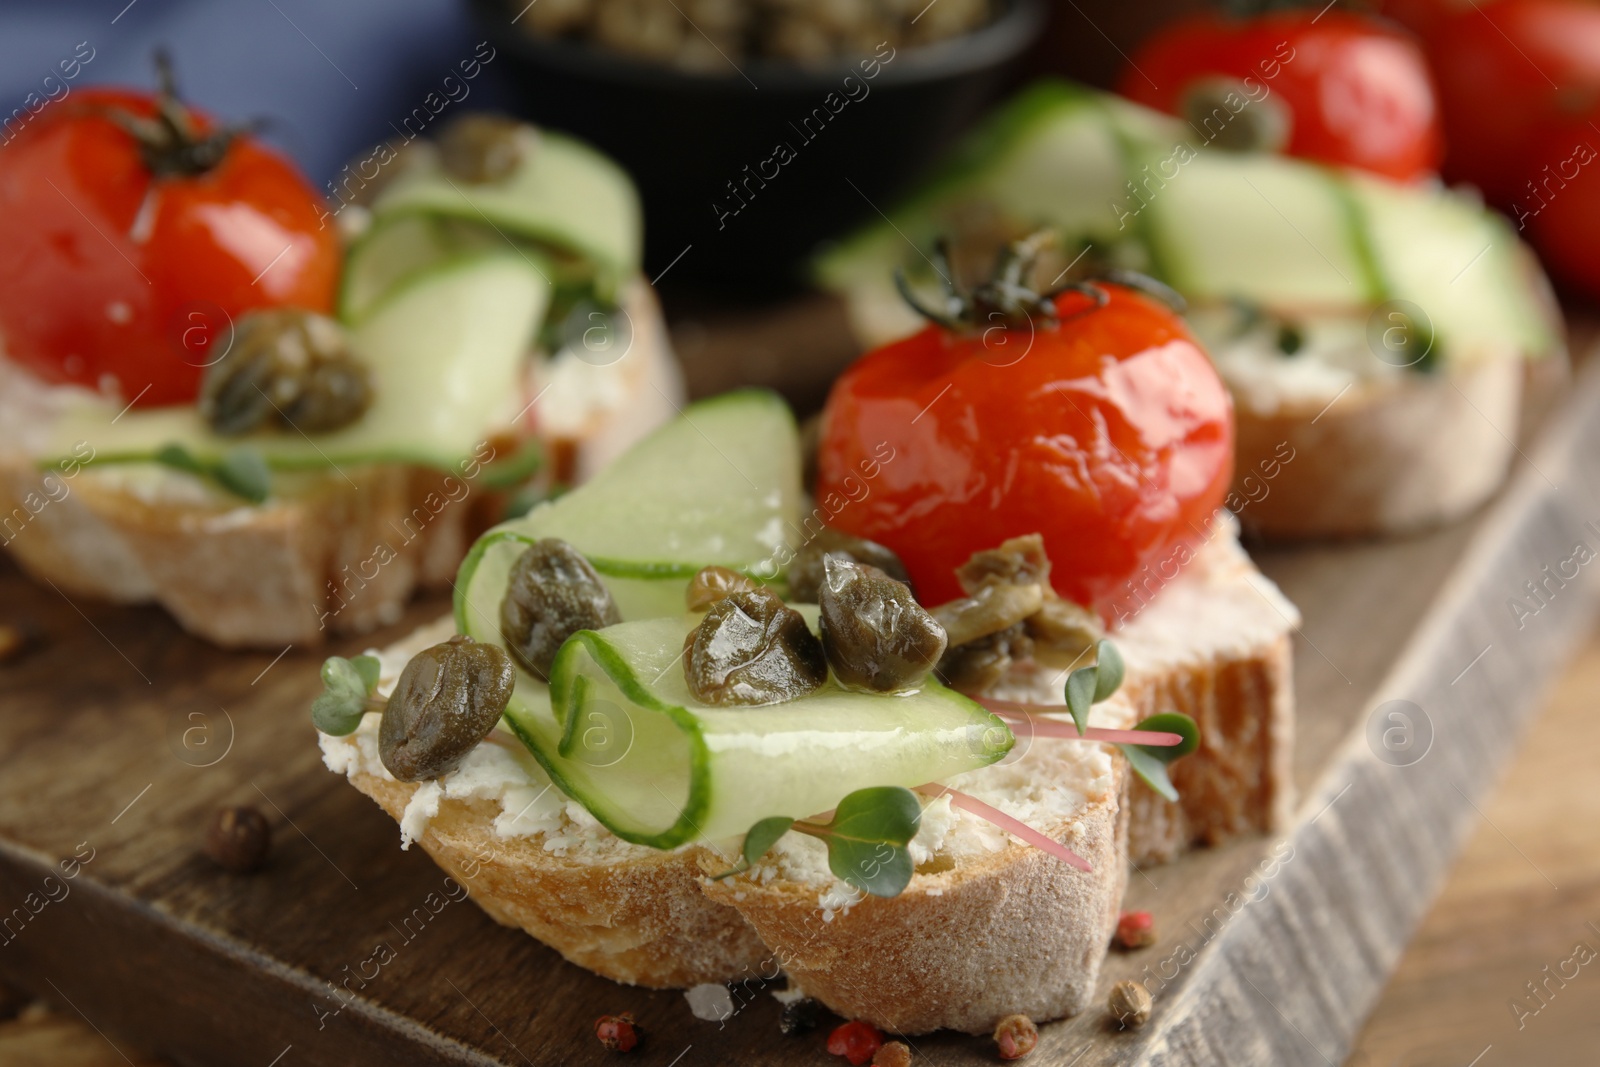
[340, 554]
[643, 921]
[1019, 932]
[338, 557]
[1239, 781]
[1392, 456]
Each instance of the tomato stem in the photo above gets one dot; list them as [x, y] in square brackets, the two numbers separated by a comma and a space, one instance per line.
[170, 143]
[1007, 300]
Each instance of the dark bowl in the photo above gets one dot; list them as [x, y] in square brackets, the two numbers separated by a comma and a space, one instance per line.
[743, 174]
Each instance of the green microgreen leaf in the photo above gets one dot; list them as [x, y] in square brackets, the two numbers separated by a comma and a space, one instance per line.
[1171, 722]
[1152, 770]
[1150, 762]
[338, 709]
[1080, 694]
[243, 471]
[337, 714]
[176, 456]
[760, 837]
[1108, 671]
[368, 668]
[867, 838]
[1090, 685]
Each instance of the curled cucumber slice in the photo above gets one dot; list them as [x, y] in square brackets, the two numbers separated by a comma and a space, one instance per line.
[618, 731]
[447, 350]
[719, 484]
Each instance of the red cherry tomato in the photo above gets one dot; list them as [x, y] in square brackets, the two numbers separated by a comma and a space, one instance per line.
[1559, 209]
[1509, 74]
[1356, 91]
[115, 279]
[1110, 434]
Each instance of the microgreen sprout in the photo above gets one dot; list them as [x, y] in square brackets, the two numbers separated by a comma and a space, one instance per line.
[241, 471]
[867, 839]
[349, 691]
[1090, 685]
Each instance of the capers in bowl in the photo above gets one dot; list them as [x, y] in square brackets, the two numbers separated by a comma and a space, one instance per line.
[805, 573]
[753, 649]
[876, 636]
[553, 593]
[286, 367]
[447, 700]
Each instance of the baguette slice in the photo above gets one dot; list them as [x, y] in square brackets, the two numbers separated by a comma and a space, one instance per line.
[1392, 455]
[988, 926]
[1206, 634]
[981, 932]
[335, 552]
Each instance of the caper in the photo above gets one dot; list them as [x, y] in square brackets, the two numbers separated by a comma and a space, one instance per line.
[1063, 631]
[553, 594]
[479, 148]
[1018, 561]
[286, 367]
[448, 698]
[977, 666]
[876, 635]
[753, 649]
[992, 609]
[805, 570]
[714, 583]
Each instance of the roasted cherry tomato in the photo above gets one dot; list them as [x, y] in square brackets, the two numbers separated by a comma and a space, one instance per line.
[1108, 432]
[132, 232]
[1335, 87]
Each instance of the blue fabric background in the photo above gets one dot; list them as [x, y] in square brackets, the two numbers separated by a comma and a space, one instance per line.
[330, 75]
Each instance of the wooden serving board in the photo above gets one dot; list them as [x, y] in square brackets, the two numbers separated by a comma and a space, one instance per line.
[119, 735]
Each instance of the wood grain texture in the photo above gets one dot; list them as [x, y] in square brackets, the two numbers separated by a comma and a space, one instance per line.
[119, 735]
[1524, 894]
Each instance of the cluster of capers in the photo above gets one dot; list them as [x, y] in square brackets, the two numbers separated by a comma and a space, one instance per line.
[1010, 613]
[707, 35]
[752, 648]
[288, 368]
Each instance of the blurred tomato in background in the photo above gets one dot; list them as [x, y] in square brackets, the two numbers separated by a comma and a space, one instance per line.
[1335, 87]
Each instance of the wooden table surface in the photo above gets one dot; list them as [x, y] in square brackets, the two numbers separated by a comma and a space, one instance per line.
[1523, 895]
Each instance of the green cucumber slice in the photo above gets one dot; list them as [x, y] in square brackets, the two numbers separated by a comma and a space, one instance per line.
[1461, 264]
[719, 484]
[618, 731]
[398, 248]
[1272, 230]
[566, 196]
[446, 351]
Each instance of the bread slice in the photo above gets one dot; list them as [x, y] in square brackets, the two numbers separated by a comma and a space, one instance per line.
[330, 553]
[987, 927]
[1204, 633]
[984, 931]
[1391, 455]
